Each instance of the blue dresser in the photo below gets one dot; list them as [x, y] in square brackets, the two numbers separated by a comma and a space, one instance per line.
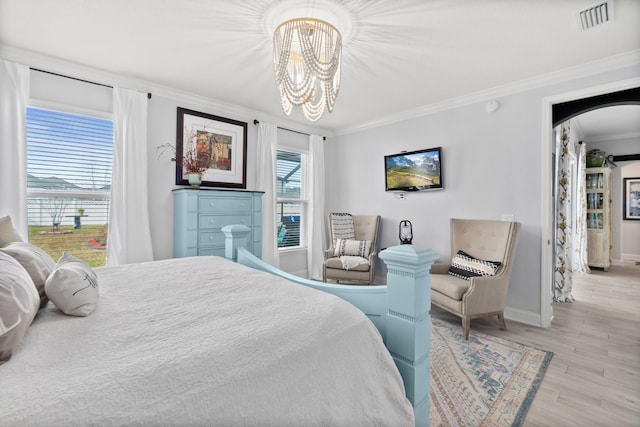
[199, 215]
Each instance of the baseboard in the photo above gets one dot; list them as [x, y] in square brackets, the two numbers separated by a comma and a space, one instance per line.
[630, 257]
[299, 273]
[527, 317]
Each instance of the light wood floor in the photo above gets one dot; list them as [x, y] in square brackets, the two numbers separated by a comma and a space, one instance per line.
[594, 375]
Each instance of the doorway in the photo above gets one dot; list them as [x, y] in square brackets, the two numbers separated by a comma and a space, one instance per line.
[556, 110]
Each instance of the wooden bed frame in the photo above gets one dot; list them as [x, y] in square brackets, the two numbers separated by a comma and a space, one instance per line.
[400, 309]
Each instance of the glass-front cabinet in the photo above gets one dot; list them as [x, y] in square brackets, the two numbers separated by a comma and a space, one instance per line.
[598, 183]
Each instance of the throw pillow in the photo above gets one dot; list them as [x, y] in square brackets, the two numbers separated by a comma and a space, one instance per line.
[464, 266]
[352, 247]
[19, 304]
[37, 262]
[73, 286]
[342, 227]
[8, 233]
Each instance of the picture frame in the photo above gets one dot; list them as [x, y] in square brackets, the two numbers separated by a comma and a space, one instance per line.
[631, 198]
[221, 141]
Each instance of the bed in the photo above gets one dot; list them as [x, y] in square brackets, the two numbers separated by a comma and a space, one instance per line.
[207, 341]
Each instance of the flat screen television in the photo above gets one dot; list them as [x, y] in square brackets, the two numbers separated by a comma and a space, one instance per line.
[414, 171]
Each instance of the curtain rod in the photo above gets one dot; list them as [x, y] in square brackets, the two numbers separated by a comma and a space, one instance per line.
[80, 80]
[255, 122]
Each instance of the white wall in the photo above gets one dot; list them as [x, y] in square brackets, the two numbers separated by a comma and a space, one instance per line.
[492, 166]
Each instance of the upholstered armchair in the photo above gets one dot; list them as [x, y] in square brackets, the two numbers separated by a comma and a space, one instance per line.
[352, 255]
[475, 283]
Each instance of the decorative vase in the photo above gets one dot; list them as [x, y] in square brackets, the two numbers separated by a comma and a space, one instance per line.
[195, 179]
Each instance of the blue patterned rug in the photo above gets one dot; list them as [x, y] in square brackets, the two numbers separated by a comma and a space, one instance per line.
[486, 381]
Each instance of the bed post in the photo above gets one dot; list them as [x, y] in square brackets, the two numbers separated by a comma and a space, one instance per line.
[235, 237]
[409, 321]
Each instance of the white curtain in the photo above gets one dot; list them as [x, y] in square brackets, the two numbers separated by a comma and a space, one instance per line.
[315, 217]
[129, 232]
[14, 96]
[562, 281]
[580, 258]
[266, 160]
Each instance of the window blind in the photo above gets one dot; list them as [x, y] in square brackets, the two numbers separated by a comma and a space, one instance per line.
[69, 160]
[289, 203]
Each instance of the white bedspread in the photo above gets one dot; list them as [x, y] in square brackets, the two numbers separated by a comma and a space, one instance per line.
[203, 341]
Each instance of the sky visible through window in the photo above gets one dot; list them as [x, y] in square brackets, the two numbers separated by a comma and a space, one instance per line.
[68, 151]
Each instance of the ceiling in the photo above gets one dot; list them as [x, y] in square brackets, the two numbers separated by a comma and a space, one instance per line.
[609, 124]
[401, 57]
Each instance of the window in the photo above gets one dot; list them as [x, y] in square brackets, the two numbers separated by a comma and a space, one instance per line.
[69, 158]
[290, 198]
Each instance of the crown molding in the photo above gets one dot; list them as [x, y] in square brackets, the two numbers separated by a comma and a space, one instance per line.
[80, 71]
[610, 63]
[614, 137]
[83, 72]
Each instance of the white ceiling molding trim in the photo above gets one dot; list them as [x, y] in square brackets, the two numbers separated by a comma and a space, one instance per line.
[611, 63]
[57, 65]
[70, 69]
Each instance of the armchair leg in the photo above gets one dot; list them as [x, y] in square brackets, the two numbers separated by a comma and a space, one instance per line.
[466, 325]
[501, 321]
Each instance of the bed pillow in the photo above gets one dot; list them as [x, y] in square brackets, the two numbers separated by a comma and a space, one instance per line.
[352, 247]
[8, 233]
[73, 286]
[19, 304]
[37, 262]
[464, 266]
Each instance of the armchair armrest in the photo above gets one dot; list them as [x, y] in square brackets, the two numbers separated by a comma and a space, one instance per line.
[329, 253]
[440, 268]
[486, 294]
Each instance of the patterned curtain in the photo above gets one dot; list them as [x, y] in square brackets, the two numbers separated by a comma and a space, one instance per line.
[581, 261]
[563, 253]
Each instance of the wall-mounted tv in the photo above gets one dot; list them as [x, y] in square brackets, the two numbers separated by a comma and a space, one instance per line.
[414, 171]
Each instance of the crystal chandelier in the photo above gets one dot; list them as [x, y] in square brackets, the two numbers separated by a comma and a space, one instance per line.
[306, 59]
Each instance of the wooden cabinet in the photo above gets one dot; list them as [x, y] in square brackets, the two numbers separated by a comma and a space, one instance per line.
[199, 215]
[598, 184]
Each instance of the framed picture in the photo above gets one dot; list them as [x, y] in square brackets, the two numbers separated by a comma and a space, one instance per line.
[631, 198]
[219, 144]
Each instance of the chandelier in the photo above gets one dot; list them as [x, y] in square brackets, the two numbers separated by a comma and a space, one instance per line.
[306, 60]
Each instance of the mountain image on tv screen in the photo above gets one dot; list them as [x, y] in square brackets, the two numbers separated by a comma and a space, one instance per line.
[413, 171]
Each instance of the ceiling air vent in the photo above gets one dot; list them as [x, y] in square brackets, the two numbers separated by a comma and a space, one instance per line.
[596, 15]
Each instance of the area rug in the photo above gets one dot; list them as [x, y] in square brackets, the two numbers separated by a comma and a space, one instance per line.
[486, 381]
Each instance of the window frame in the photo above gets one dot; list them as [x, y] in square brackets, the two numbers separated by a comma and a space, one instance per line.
[304, 203]
[56, 107]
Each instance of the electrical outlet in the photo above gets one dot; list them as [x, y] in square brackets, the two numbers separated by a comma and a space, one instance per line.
[508, 217]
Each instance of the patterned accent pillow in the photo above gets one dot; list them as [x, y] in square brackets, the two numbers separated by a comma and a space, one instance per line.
[464, 266]
[36, 261]
[19, 304]
[342, 227]
[73, 286]
[8, 233]
[353, 248]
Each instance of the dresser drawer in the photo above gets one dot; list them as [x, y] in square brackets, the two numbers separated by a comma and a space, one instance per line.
[211, 237]
[224, 204]
[207, 221]
[199, 216]
[211, 252]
